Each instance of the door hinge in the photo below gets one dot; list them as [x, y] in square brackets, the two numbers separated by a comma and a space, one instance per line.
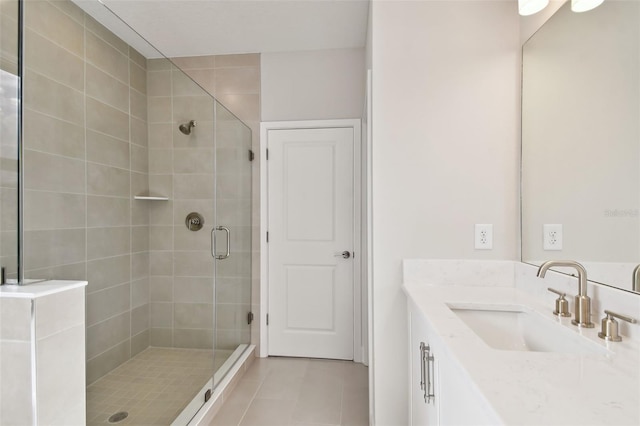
[267, 236]
[252, 156]
[207, 395]
[267, 153]
[249, 317]
[267, 319]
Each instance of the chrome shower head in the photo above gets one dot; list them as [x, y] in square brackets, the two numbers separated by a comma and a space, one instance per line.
[186, 128]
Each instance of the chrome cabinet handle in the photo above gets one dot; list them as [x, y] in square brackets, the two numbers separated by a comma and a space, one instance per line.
[345, 254]
[429, 393]
[213, 243]
[427, 372]
[422, 378]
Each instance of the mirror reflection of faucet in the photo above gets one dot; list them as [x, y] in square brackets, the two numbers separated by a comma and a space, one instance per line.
[582, 316]
[635, 285]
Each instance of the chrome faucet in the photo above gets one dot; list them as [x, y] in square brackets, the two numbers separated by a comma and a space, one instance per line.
[636, 279]
[582, 316]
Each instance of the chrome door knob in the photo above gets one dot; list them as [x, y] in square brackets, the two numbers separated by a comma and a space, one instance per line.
[345, 254]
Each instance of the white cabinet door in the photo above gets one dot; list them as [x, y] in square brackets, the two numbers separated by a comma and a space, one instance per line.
[456, 402]
[423, 412]
[461, 404]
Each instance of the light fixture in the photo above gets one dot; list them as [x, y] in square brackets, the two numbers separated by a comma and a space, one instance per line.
[584, 5]
[529, 7]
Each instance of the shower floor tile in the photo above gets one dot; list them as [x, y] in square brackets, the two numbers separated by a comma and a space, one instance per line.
[153, 387]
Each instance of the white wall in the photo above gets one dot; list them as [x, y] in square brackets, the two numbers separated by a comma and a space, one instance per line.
[313, 85]
[446, 86]
[317, 85]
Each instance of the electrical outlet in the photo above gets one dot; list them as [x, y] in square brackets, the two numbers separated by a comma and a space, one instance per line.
[552, 236]
[484, 236]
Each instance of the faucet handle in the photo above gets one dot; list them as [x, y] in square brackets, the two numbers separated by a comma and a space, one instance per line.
[620, 316]
[558, 292]
[609, 329]
[562, 305]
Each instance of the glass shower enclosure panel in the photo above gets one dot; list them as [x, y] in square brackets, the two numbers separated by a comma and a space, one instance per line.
[9, 135]
[233, 239]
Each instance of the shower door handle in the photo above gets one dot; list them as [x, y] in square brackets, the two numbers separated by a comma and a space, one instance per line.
[213, 243]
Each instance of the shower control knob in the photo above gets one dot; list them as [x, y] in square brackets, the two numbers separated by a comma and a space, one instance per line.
[345, 254]
[194, 221]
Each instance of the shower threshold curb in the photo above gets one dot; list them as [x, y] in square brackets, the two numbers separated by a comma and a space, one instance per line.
[240, 363]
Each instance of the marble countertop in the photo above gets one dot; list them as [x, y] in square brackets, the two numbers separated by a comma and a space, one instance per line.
[535, 388]
[38, 289]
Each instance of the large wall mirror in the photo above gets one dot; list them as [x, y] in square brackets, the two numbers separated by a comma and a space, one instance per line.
[581, 141]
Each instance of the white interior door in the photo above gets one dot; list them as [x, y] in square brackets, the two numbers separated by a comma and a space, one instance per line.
[311, 242]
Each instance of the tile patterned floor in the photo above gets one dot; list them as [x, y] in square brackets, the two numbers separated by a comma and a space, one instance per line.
[298, 391]
[153, 387]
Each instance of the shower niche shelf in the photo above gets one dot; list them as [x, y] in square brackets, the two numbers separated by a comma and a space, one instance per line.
[150, 197]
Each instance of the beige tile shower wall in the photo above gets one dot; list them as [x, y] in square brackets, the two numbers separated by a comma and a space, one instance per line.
[9, 36]
[85, 157]
[182, 167]
[159, 104]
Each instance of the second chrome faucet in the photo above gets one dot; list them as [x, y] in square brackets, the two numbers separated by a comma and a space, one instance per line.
[582, 315]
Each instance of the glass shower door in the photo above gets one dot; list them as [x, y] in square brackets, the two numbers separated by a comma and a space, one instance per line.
[233, 240]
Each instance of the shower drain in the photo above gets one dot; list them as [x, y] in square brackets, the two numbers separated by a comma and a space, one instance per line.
[118, 417]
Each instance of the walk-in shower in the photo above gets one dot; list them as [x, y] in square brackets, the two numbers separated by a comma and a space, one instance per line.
[115, 194]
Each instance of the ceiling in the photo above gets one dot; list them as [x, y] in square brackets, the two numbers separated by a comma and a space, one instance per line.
[218, 27]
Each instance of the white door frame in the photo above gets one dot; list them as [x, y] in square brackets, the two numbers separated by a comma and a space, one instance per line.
[265, 127]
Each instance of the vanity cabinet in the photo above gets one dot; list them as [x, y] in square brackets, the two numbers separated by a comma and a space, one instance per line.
[440, 391]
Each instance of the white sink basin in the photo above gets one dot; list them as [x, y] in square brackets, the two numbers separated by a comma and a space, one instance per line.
[518, 329]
